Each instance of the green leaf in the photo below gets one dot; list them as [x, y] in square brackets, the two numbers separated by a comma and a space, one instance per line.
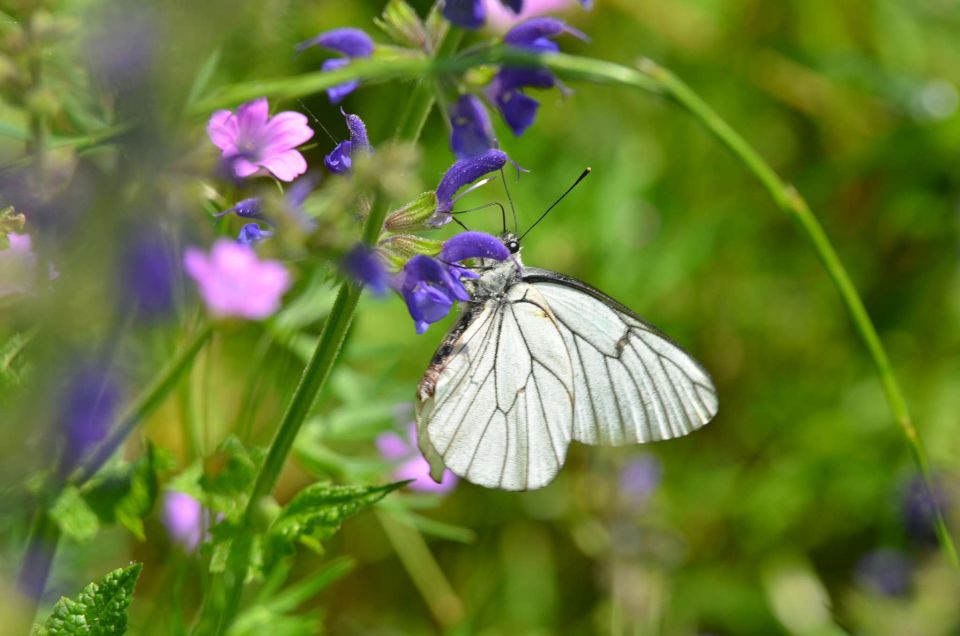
[126, 492]
[100, 609]
[75, 518]
[228, 475]
[317, 512]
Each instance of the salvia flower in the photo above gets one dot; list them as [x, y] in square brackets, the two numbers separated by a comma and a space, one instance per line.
[467, 245]
[517, 108]
[233, 281]
[472, 133]
[351, 43]
[89, 403]
[472, 14]
[410, 463]
[252, 140]
[252, 233]
[340, 159]
[461, 173]
[184, 519]
[366, 266]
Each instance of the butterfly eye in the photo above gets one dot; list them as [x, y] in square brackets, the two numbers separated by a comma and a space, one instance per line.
[513, 246]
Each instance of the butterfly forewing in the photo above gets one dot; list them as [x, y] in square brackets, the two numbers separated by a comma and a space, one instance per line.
[631, 383]
[497, 406]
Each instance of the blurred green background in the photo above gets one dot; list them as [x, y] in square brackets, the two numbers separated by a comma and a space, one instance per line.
[759, 523]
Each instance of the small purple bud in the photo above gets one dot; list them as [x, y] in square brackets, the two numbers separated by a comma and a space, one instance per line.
[338, 93]
[528, 33]
[247, 209]
[472, 132]
[473, 245]
[463, 172]
[148, 276]
[366, 267]
[518, 110]
[347, 41]
[358, 132]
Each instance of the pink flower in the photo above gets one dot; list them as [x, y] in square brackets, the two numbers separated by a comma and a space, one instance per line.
[250, 139]
[233, 281]
[412, 465]
[500, 19]
[184, 518]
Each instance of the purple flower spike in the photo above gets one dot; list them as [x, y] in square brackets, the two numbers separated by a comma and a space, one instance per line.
[358, 131]
[250, 140]
[429, 289]
[347, 41]
[473, 245]
[472, 132]
[461, 173]
[251, 234]
[366, 267]
[340, 159]
[184, 518]
[234, 282]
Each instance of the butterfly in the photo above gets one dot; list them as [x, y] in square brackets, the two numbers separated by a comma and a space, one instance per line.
[538, 359]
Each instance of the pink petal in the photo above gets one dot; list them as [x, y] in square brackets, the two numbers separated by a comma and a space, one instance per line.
[419, 470]
[252, 116]
[285, 166]
[286, 130]
[243, 168]
[392, 446]
[222, 130]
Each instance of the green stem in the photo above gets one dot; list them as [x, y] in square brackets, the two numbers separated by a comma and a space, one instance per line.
[790, 201]
[44, 534]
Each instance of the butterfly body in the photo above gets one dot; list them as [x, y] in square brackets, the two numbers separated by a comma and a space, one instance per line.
[539, 359]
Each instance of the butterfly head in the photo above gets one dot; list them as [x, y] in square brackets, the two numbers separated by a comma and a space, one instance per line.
[511, 242]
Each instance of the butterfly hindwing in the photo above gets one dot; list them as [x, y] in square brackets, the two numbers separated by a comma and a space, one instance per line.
[632, 384]
[496, 406]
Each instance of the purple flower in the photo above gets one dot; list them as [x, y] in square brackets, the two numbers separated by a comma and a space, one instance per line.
[885, 572]
[412, 465]
[471, 14]
[461, 173]
[89, 403]
[252, 233]
[246, 209]
[429, 289]
[518, 109]
[340, 159]
[500, 19]
[365, 266]
[233, 281]
[149, 276]
[472, 132]
[347, 41]
[639, 478]
[185, 520]
[250, 139]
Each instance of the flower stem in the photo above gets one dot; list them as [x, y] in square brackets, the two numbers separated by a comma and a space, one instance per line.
[44, 534]
[790, 201]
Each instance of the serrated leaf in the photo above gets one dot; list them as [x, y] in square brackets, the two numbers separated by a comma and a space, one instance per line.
[228, 475]
[100, 609]
[316, 512]
[126, 492]
[75, 518]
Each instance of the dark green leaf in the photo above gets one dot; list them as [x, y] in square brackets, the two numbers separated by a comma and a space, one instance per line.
[75, 518]
[100, 609]
[228, 475]
[126, 492]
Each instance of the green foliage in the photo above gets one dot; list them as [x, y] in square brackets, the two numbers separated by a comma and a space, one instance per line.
[74, 516]
[228, 475]
[317, 512]
[400, 21]
[100, 609]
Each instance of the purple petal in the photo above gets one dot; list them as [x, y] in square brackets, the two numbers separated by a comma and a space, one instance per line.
[251, 234]
[473, 245]
[366, 267]
[339, 161]
[340, 91]
[358, 132]
[472, 132]
[469, 14]
[513, 77]
[528, 32]
[418, 469]
[222, 130]
[466, 171]
[246, 209]
[348, 41]
[393, 447]
[518, 110]
[183, 517]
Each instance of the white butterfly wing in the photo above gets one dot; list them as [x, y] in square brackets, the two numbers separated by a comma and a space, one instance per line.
[631, 383]
[496, 405]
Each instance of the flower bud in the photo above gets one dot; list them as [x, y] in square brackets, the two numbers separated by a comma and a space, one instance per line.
[402, 247]
[414, 214]
[400, 21]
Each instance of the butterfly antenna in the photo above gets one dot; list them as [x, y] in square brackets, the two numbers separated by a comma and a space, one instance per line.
[318, 122]
[513, 210]
[583, 175]
[503, 212]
